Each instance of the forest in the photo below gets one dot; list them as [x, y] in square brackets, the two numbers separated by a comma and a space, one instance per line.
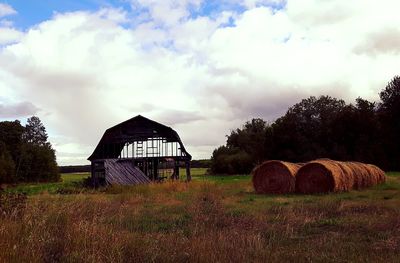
[319, 127]
[25, 153]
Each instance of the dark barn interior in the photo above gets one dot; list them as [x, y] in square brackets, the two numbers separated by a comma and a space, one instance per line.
[138, 151]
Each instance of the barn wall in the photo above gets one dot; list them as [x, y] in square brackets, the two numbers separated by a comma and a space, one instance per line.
[123, 172]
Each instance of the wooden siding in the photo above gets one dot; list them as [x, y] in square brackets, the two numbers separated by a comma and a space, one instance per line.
[123, 172]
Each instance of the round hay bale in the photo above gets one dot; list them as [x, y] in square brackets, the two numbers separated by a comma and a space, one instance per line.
[366, 175]
[323, 176]
[361, 175]
[275, 177]
[377, 172]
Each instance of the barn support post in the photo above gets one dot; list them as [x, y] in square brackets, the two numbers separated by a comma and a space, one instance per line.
[176, 170]
[155, 169]
[188, 175]
[94, 179]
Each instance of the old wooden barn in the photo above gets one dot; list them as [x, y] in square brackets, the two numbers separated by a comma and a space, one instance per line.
[138, 151]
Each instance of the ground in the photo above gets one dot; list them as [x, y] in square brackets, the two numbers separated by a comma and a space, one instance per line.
[211, 219]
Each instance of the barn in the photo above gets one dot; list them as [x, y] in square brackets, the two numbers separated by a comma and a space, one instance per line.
[138, 151]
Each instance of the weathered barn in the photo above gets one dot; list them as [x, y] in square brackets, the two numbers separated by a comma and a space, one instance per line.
[137, 151]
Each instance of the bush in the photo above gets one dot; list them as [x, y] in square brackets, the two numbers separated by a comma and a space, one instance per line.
[231, 161]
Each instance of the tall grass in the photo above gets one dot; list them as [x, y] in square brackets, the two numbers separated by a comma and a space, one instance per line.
[201, 221]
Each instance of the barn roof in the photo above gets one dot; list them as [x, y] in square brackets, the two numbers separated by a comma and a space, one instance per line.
[137, 128]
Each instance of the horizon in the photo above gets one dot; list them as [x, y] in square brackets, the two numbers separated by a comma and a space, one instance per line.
[200, 67]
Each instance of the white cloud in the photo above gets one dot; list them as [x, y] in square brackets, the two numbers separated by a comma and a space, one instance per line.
[6, 10]
[87, 72]
[9, 35]
[167, 12]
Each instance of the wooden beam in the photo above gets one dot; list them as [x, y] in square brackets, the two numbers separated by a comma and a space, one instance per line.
[188, 175]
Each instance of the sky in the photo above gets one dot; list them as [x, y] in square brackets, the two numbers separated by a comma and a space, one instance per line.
[201, 67]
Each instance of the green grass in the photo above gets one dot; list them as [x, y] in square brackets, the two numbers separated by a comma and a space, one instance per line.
[198, 174]
[67, 180]
[393, 174]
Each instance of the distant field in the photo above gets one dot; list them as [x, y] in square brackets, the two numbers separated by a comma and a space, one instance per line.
[211, 219]
[67, 180]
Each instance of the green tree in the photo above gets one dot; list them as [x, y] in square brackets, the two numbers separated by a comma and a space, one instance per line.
[38, 164]
[251, 139]
[320, 127]
[304, 132]
[38, 159]
[11, 135]
[389, 111]
[35, 132]
[229, 160]
[7, 166]
[357, 134]
[25, 153]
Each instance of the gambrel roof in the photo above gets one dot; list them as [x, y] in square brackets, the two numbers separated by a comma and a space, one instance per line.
[138, 128]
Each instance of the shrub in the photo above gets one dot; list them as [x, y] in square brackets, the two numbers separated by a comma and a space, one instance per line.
[227, 160]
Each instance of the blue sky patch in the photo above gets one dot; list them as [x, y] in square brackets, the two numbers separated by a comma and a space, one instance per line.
[32, 12]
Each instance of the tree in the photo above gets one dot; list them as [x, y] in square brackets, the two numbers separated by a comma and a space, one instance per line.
[304, 132]
[230, 160]
[251, 138]
[11, 135]
[390, 96]
[389, 112]
[320, 127]
[25, 153]
[38, 160]
[35, 132]
[38, 164]
[357, 134]
[7, 166]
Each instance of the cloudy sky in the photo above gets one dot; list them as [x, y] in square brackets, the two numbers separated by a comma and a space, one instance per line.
[201, 67]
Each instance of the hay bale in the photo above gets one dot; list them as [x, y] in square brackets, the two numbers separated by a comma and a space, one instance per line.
[324, 175]
[361, 175]
[275, 177]
[366, 175]
[378, 173]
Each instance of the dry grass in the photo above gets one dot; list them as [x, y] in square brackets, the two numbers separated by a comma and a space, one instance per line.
[203, 221]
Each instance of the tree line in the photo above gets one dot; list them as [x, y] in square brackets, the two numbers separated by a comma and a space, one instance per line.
[25, 153]
[319, 127]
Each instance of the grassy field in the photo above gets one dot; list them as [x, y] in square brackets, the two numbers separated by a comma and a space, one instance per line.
[211, 219]
[67, 181]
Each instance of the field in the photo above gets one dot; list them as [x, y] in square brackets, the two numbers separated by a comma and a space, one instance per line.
[211, 219]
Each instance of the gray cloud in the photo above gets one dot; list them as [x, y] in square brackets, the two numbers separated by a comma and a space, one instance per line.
[320, 12]
[382, 42]
[17, 110]
[175, 117]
